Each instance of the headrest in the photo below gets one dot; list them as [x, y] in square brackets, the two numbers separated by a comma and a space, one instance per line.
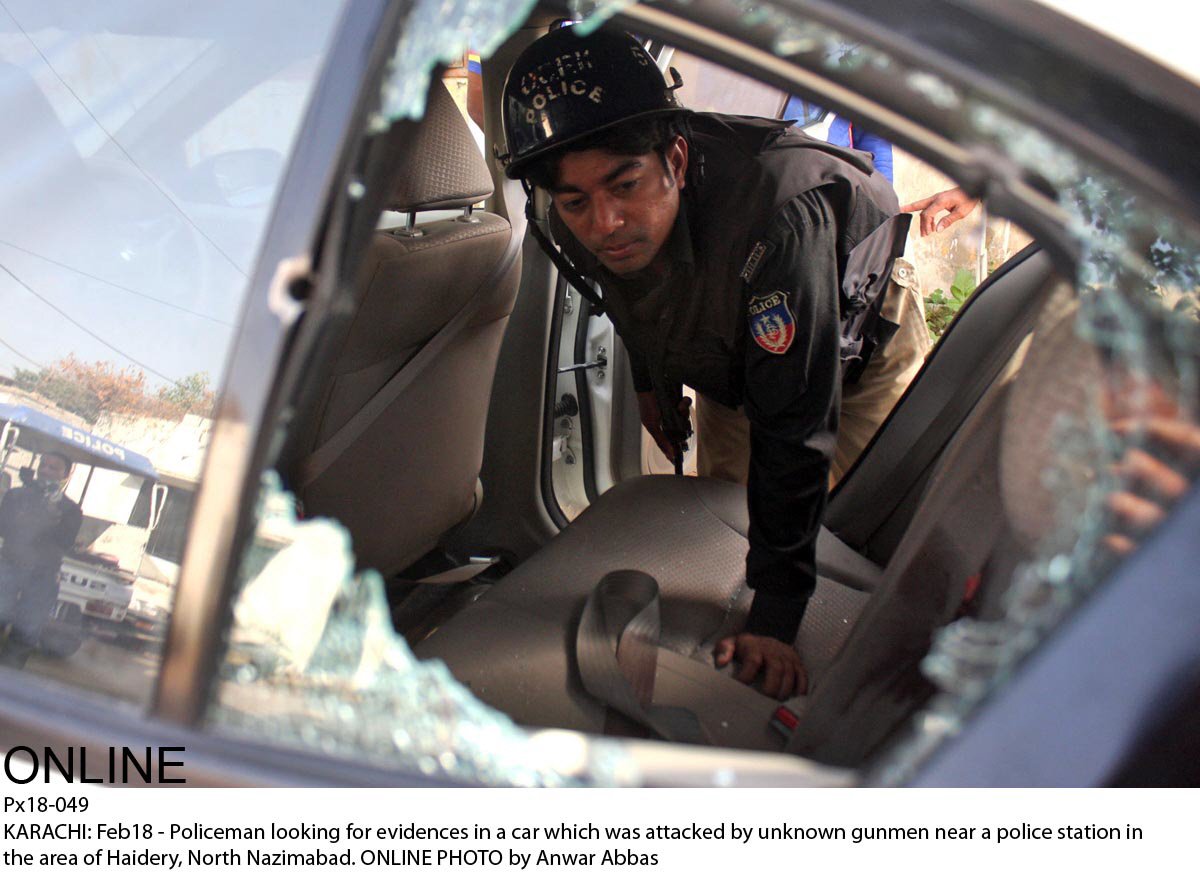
[442, 168]
[1048, 458]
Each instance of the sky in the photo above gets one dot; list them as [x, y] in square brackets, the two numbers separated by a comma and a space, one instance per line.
[1162, 29]
[141, 151]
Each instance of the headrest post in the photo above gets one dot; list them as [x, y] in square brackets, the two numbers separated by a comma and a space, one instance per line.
[410, 228]
[467, 217]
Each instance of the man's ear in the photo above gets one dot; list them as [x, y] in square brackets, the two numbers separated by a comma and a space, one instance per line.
[677, 159]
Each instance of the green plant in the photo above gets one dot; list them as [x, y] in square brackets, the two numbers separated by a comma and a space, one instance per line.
[940, 308]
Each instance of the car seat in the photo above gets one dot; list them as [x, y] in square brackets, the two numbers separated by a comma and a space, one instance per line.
[515, 647]
[422, 348]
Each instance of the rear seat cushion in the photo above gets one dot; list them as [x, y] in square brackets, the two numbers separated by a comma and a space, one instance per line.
[515, 646]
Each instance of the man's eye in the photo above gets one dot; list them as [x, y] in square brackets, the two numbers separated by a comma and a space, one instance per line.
[627, 185]
[573, 206]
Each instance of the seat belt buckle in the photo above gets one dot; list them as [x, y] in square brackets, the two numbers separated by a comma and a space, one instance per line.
[971, 588]
[784, 721]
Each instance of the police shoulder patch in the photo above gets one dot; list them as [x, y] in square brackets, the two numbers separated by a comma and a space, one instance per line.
[771, 322]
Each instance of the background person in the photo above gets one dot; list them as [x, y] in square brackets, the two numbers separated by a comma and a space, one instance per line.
[38, 525]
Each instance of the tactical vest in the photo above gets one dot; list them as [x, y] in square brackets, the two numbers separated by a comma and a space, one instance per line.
[742, 171]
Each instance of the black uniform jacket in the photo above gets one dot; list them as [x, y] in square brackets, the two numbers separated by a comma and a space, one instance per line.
[781, 249]
[37, 532]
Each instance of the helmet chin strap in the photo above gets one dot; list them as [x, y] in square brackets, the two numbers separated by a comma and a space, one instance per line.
[574, 277]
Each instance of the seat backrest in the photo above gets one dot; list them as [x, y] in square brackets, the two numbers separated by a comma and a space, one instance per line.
[875, 502]
[397, 444]
[985, 510]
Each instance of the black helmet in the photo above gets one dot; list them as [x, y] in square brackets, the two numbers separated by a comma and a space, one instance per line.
[566, 86]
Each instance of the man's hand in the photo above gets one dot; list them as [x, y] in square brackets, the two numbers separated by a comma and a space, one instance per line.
[953, 202]
[651, 418]
[784, 674]
[1153, 479]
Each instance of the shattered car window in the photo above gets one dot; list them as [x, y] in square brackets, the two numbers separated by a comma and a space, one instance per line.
[438, 32]
[313, 662]
[1076, 452]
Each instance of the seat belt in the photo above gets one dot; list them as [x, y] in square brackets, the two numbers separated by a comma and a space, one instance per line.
[320, 459]
[621, 665]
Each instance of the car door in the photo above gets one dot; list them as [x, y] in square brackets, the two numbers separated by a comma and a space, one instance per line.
[367, 702]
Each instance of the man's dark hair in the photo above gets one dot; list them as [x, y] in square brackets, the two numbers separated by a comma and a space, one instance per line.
[636, 136]
[55, 454]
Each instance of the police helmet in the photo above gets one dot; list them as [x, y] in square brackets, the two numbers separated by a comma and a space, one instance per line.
[564, 87]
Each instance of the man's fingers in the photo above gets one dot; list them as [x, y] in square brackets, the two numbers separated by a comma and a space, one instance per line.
[773, 677]
[957, 212]
[929, 218]
[788, 682]
[962, 209]
[779, 664]
[1134, 512]
[1119, 545]
[661, 441]
[1178, 436]
[954, 202]
[927, 227]
[1153, 475]
[724, 651]
[750, 666]
[918, 205]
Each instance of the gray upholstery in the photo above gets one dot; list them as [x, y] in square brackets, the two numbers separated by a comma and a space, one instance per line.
[963, 529]
[875, 503]
[428, 328]
[875, 683]
[1058, 398]
[514, 647]
[446, 170]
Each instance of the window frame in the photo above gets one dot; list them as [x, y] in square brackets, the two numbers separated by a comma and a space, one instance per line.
[904, 119]
[271, 350]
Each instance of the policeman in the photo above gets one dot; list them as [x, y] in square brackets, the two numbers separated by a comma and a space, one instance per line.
[38, 525]
[735, 255]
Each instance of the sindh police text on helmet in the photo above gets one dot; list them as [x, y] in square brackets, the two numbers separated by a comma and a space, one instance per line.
[564, 87]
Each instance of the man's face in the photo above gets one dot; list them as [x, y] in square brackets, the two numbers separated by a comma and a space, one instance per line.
[621, 207]
[51, 469]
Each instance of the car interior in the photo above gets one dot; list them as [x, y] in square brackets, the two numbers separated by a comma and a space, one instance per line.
[426, 438]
